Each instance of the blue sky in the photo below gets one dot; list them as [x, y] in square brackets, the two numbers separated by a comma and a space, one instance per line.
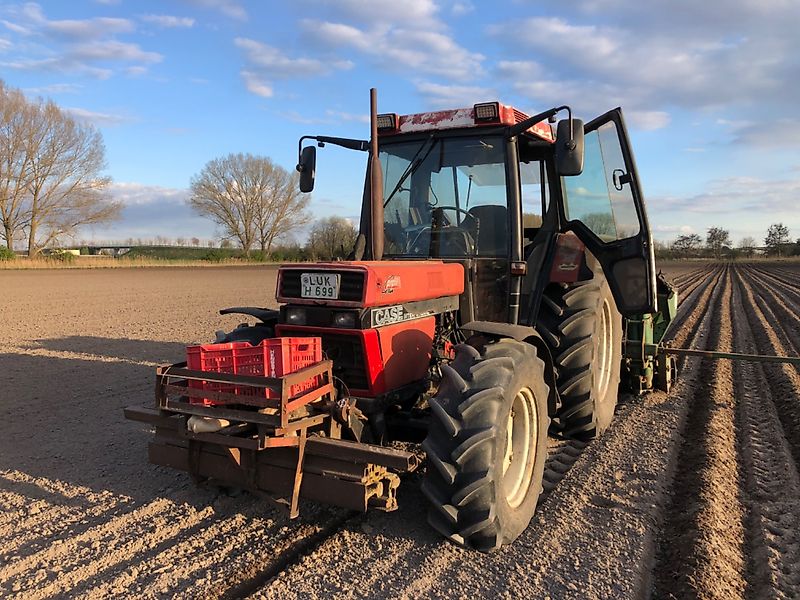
[710, 90]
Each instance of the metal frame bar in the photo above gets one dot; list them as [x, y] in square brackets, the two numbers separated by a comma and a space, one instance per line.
[792, 360]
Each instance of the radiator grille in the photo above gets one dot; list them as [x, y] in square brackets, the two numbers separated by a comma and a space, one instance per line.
[349, 363]
[351, 285]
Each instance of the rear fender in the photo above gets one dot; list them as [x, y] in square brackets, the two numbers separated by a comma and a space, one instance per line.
[265, 315]
[523, 333]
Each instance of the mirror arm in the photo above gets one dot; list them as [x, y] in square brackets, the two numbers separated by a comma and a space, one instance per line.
[531, 121]
[361, 145]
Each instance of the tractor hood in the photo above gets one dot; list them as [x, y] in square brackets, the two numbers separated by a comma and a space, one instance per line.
[368, 283]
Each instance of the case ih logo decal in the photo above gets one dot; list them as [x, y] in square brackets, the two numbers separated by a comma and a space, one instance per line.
[389, 315]
[392, 283]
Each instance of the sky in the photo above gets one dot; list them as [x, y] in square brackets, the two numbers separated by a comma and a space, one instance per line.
[710, 90]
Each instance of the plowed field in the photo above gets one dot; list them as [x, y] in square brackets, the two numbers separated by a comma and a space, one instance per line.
[695, 494]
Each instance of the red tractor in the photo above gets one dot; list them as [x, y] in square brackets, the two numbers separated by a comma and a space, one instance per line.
[498, 262]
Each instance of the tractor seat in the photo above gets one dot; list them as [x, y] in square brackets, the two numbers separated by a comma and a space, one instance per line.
[492, 225]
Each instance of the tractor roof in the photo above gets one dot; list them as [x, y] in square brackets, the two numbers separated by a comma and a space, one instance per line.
[460, 118]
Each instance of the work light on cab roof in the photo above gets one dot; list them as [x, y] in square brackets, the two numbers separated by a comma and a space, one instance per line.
[481, 114]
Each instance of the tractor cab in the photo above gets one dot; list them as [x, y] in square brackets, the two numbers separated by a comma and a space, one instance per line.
[505, 194]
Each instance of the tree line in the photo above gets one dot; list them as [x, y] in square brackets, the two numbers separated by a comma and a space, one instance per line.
[51, 180]
[777, 242]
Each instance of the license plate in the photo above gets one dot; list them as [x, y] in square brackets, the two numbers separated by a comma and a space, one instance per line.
[319, 285]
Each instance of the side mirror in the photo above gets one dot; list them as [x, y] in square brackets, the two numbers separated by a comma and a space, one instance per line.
[308, 166]
[569, 147]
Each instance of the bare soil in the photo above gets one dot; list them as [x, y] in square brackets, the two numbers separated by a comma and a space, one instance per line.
[695, 494]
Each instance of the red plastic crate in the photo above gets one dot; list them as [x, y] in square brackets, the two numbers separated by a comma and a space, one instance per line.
[271, 358]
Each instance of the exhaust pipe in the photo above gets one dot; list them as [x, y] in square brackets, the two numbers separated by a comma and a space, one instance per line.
[376, 181]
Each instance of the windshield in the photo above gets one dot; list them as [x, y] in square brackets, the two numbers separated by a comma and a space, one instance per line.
[445, 197]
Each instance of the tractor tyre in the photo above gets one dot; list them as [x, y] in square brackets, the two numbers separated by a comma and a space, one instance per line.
[583, 328]
[487, 444]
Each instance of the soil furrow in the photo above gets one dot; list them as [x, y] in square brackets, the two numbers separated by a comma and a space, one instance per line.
[772, 481]
[691, 310]
[701, 552]
[786, 302]
[783, 380]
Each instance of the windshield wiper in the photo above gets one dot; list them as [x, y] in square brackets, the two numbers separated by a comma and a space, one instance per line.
[412, 166]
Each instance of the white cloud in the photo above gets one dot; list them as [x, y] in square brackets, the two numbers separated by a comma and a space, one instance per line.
[656, 57]
[132, 194]
[58, 65]
[266, 63]
[150, 211]
[16, 27]
[229, 8]
[135, 71]
[87, 47]
[169, 21]
[97, 118]
[459, 9]
[54, 88]
[110, 50]
[759, 198]
[519, 69]
[275, 63]
[746, 206]
[256, 85]
[771, 133]
[346, 116]
[4, 45]
[296, 117]
[422, 13]
[401, 48]
[88, 28]
[647, 120]
[453, 96]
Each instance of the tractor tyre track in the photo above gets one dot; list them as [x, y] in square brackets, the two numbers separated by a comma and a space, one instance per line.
[772, 480]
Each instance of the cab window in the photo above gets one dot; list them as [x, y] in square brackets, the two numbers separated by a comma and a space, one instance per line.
[599, 197]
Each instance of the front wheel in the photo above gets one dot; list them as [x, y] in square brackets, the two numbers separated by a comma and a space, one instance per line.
[487, 444]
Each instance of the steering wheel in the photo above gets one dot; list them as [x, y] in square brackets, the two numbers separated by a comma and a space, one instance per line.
[469, 226]
[454, 209]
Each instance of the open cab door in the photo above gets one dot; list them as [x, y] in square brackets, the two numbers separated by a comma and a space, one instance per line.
[604, 207]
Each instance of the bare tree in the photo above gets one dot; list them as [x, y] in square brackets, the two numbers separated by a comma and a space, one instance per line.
[281, 209]
[332, 238]
[716, 238]
[252, 199]
[747, 246]
[65, 189]
[777, 237]
[50, 165]
[686, 244]
[16, 118]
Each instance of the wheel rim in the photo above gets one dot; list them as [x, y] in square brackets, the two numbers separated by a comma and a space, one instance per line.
[522, 432]
[605, 354]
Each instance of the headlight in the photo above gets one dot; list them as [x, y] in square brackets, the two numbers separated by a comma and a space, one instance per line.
[295, 316]
[345, 320]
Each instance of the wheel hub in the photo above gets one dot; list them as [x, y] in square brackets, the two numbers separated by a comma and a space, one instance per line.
[520, 451]
[605, 351]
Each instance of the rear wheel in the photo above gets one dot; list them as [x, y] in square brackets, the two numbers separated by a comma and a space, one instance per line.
[487, 444]
[581, 324]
